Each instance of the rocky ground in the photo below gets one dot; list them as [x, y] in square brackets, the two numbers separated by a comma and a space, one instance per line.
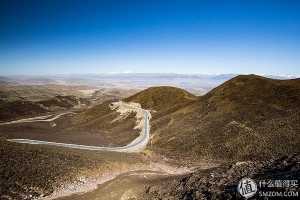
[133, 178]
[221, 182]
[211, 181]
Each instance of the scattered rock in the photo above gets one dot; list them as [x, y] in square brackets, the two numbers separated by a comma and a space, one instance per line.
[221, 182]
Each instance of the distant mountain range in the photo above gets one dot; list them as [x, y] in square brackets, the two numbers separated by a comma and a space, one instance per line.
[198, 84]
[133, 74]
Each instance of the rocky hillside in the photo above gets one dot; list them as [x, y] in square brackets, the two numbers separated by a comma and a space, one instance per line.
[246, 118]
[29, 171]
[161, 100]
[63, 102]
[101, 118]
[11, 110]
[15, 109]
[222, 182]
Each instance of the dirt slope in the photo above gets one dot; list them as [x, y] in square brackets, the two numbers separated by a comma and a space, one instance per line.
[28, 171]
[160, 98]
[164, 100]
[246, 118]
[11, 110]
[66, 102]
[18, 108]
[221, 182]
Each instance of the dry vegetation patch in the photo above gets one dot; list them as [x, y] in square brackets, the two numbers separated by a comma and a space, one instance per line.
[246, 118]
[37, 170]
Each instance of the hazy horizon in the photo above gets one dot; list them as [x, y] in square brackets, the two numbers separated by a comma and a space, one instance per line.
[145, 73]
[42, 38]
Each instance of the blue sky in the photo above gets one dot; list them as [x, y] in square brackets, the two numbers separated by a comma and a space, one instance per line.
[45, 37]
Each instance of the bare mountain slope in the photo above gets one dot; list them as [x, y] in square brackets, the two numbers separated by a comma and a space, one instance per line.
[221, 182]
[66, 102]
[11, 110]
[246, 118]
[160, 98]
[164, 100]
[101, 118]
[18, 108]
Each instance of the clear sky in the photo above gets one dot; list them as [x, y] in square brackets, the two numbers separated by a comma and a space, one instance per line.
[45, 37]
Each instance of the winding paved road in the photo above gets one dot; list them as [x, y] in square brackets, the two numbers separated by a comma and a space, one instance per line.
[136, 147]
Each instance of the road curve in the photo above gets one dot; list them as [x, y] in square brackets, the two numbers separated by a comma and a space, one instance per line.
[135, 147]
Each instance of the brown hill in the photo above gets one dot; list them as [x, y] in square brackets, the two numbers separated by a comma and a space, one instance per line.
[29, 171]
[66, 102]
[156, 98]
[164, 99]
[221, 182]
[102, 118]
[246, 118]
[11, 110]
[160, 98]
[15, 109]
